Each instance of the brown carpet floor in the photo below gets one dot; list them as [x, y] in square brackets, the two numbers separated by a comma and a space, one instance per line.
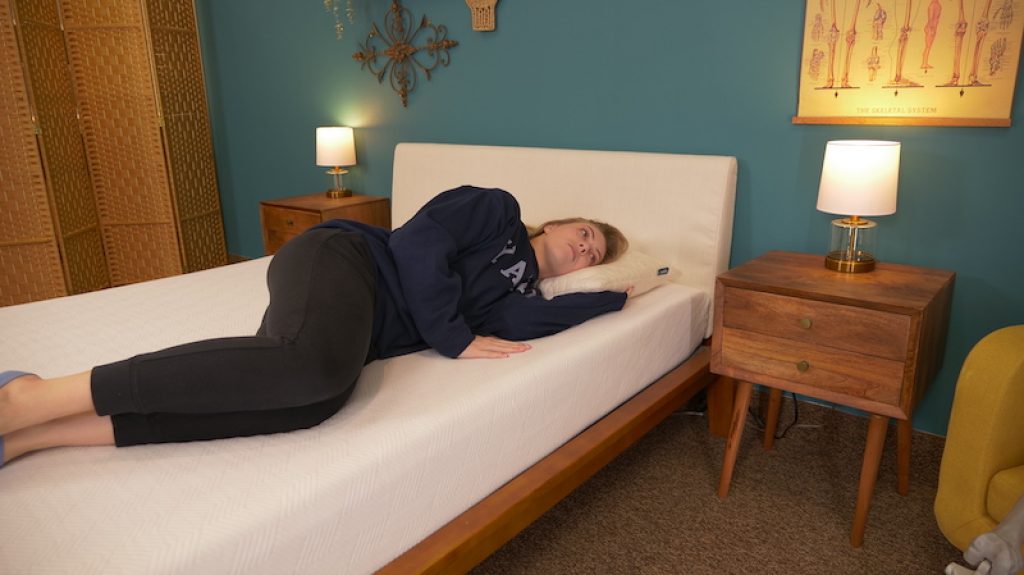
[789, 511]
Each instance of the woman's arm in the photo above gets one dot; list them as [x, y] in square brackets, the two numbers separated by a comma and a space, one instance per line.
[518, 317]
[424, 248]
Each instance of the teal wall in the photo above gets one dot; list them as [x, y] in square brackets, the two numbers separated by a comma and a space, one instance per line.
[647, 75]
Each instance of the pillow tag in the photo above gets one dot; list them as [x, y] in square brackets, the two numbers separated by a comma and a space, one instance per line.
[663, 271]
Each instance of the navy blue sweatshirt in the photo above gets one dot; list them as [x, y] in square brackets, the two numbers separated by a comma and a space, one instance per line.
[463, 265]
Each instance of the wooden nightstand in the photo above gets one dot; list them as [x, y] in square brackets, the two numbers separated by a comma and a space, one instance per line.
[872, 341]
[288, 217]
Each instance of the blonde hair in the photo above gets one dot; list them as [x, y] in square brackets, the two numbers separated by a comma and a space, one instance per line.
[616, 243]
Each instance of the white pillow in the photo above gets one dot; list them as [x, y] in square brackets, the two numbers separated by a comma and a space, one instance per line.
[633, 268]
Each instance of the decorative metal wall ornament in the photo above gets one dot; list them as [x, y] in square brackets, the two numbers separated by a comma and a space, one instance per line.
[402, 63]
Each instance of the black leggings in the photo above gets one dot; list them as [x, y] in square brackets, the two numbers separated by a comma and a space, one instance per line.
[297, 371]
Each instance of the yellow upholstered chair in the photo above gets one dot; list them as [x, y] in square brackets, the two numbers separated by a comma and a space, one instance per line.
[982, 473]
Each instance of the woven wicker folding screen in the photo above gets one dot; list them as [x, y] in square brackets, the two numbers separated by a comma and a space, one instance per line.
[117, 100]
[124, 139]
[179, 75]
[29, 256]
[75, 217]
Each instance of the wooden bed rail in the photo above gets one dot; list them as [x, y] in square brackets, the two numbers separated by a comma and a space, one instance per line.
[472, 536]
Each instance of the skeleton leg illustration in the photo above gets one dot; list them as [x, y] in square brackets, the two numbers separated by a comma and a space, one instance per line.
[901, 52]
[982, 30]
[934, 14]
[958, 44]
[833, 38]
[851, 39]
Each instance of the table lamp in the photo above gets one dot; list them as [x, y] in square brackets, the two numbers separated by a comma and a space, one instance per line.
[335, 147]
[858, 178]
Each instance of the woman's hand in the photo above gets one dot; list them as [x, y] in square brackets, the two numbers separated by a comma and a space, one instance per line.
[487, 347]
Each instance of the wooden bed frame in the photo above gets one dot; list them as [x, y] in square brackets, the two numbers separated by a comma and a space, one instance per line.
[478, 532]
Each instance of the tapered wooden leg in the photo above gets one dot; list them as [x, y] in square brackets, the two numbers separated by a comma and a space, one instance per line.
[732, 445]
[772, 421]
[720, 403]
[903, 431]
[868, 475]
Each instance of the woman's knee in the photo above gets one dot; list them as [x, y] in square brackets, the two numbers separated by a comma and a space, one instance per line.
[317, 413]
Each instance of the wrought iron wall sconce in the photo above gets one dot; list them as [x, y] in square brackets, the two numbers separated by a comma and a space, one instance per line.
[402, 62]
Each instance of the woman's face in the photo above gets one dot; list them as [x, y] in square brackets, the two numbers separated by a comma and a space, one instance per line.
[568, 247]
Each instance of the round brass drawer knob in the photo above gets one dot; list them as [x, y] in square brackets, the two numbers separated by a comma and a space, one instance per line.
[289, 222]
[806, 323]
[803, 366]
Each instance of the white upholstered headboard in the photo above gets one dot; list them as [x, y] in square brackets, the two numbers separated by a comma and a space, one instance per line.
[676, 206]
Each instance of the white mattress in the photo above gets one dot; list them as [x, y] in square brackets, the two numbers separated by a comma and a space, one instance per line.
[421, 440]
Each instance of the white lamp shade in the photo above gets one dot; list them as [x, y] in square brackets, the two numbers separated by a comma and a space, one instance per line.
[335, 146]
[859, 178]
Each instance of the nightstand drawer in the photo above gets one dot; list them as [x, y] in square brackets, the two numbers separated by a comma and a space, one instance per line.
[283, 224]
[289, 221]
[273, 239]
[853, 329]
[286, 218]
[851, 374]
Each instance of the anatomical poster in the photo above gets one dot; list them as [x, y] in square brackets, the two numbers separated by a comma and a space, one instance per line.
[910, 62]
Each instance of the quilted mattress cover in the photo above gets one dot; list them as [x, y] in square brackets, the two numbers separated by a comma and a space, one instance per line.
[422, 439]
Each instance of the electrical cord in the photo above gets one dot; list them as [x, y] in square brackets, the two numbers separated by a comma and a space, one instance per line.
[758, 422]
[698, 408]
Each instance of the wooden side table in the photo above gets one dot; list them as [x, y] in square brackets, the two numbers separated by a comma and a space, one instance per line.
[871, 341]
[288, 217]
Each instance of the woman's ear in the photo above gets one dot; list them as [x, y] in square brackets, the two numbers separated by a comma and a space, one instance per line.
[547, 228]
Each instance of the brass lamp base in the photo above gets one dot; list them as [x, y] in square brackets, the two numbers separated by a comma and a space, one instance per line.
[864, 263]
[338, 190]
[335, 193]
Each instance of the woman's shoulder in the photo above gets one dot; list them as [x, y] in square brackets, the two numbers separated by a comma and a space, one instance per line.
[470, 198]
[477, 192]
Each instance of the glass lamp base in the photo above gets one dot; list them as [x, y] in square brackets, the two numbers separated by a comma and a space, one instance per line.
[337, 190]
[336, 193]
[852, 245]
[864, 263]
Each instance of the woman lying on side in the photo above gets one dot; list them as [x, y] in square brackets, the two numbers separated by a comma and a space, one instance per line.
[459, 277]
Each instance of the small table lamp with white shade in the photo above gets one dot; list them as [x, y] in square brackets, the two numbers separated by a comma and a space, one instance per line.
[335, 147]
[858, 178]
